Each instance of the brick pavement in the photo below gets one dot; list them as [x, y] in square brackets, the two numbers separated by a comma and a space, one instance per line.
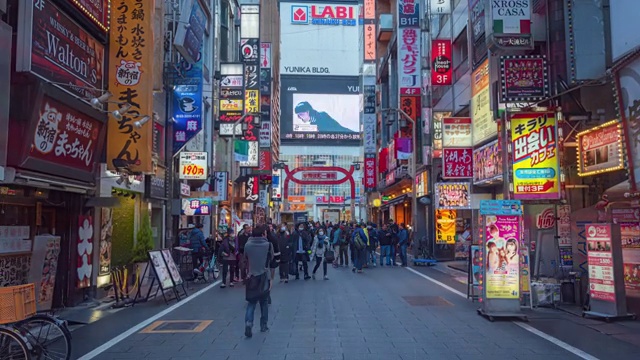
[351, 317]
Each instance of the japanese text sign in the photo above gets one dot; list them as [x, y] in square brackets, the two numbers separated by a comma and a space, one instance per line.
[440, 7]
[370, 173]
[600, 149]
[601, 277]
[196, 206]
[187, 114]
[481, 115]
[370, 42]
[193, 166]
[369, 133]
[524, 78]
[409, 79]
[441, 62]
[457, 163]
[60, 51]
[535, 160]
[64, 136]
[446, 226]
[456, 132]
[131, 51]
[502, 251]
[408, 13]
[453, 195]
[253, 156]
[264, 162]
[369, 9]
[252, 189]
[265, 55]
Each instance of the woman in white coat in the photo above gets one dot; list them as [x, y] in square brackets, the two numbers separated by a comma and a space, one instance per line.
[319, 247]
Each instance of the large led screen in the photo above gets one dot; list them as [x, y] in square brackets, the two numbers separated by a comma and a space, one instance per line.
[324, 111]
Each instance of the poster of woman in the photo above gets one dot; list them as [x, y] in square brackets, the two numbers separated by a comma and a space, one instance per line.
[502, 256]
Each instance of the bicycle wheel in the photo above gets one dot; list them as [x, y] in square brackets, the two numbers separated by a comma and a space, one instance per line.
[13, 346]
[49, 337]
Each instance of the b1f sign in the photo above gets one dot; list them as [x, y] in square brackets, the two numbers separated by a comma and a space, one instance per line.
[324, 15]
[441, 62]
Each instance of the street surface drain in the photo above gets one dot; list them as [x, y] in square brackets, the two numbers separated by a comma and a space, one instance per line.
[426, 301]
[176, 326]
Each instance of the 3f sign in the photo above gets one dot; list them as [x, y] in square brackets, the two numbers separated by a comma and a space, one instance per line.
[442, 79]
[412, 21]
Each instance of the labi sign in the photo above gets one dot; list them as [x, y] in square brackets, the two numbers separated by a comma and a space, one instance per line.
[53, 47]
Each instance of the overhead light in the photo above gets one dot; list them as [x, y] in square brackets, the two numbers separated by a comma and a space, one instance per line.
[97, 103]
[117, 114]
[138, 124]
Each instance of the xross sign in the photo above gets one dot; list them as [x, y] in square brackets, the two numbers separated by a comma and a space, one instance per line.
[323, 15]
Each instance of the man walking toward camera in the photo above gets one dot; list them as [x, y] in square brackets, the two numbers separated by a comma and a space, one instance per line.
[258, 252]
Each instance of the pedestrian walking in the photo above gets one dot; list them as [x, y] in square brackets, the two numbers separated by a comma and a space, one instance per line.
[275, 261]
[302, 246]
[373, 244]
[344, 247]
[394, 241]
[403, 244]
[198, 248]
[321, 252]
[243, 236]
[335, 243]
[228, 255]
[284, 244]
[359, 245]
[386, 239]
[258, 252]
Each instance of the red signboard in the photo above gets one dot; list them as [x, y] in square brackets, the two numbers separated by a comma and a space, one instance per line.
[601, 280]
[65, 136]
[85, 251]
[370, 174]
[95, 10]
[457, 163]
[264, 160]
[61, 51]
[441, 62]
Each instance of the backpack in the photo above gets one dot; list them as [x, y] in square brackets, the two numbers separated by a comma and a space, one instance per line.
[357, 242]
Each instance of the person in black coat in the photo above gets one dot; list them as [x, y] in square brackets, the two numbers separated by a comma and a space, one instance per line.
[286, 252]
[301, 240]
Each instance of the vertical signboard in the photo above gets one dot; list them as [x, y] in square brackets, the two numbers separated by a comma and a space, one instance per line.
[440, 7]
[441, 62]
[250, 56]
[601, 274]
[502, 278]
[457, 163]
[231, 104]
[409, 48]
[370, 174]
[535, 160]
[130, 80]
[187, 105]
[523, 78]
[221, 179]
[446, 226]
[189, 37]
[481, 116]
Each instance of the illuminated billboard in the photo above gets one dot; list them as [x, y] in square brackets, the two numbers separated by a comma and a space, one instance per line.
[320, 39]
[324, 111]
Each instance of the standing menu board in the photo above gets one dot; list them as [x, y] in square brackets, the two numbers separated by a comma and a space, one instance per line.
[601, 277]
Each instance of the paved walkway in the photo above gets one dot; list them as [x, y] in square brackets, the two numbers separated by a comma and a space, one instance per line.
[385, 313]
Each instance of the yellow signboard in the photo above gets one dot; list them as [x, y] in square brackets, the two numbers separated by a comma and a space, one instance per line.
[252, 101]
[535, 160]
[482, 122]
[446, 226]
[131, 81]
[231, 105]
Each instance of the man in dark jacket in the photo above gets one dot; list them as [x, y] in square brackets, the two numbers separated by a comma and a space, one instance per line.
[285, 247]
[272, 237]
[394, 241]
[301, 240]
[258, 253]
[386, 239]
[243, 236]
[198, 247]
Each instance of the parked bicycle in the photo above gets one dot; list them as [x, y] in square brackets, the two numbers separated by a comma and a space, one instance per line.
[25, 334]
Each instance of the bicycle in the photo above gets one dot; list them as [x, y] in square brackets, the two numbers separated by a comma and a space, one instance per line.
[26, 335]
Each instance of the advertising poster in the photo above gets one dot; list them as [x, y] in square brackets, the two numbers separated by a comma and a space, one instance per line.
[193, 166]
[456, 132]
[171, 265]
[318, 39]
[629, 220]
[321, 112]
[563, 212]
[600, 149]
[487, 163]
[44, 267]
[503, 233]
[187, 103]
[160, 268]
[441, 62]
[131, 81]
[535, 160]
[631, 265]
[231, 104]
[453, 195]
[60, 51]
[476, 264]
[196, 206]
[482, 123]
[65, 136]
[524, 78]
[601, 281]
[436, 138]
[446, 226]
[457, 163]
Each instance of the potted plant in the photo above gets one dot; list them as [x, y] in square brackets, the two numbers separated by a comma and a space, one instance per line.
[144, 244]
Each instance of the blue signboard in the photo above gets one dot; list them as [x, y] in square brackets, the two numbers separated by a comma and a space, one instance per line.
[196, 206]
[500, 207]
[187, 104]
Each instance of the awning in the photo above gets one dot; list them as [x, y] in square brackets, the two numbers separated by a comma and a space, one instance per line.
[42, 181]
[398, 200]
[103, 202]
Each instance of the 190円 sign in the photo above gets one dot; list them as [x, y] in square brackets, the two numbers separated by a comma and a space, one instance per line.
[193, 166]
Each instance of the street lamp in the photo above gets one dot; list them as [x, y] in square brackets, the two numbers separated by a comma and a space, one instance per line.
[412, 166]
[231, 164]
